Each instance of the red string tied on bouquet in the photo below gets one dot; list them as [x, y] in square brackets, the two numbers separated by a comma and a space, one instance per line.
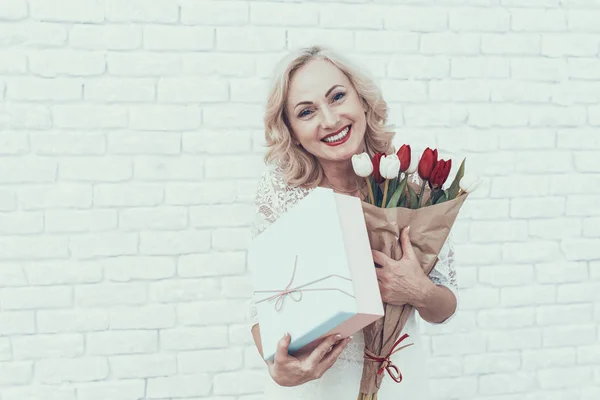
[386, 362]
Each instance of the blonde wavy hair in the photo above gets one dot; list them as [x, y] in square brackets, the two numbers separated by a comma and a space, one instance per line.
[300, 167]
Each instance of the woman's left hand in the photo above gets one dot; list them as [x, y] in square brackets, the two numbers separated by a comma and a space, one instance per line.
[403, 281]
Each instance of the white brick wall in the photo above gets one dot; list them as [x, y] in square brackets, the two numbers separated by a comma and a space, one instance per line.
[131, 144]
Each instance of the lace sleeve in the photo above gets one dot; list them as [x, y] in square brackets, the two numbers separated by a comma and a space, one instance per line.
[444, 273]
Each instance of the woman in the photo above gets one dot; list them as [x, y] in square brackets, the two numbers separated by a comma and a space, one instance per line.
[321, 111]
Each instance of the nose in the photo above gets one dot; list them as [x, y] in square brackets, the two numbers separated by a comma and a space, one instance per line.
[330, 118]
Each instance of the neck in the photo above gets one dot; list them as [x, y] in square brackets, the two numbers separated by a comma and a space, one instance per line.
[340, 175]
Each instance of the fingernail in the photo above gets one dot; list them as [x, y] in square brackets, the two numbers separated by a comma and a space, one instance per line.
[338, 337]
[408, 229]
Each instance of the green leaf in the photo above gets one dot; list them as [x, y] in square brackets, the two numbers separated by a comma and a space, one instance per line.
[397, 194]
[378, 193]
[414, 200]
[442, 198]
[455, 187]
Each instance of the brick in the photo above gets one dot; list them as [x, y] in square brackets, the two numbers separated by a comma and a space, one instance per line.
[17, 116]
[539, 359]
[561, 272]
[419, 67]
[134, 268]
[91, 117]
[581, 190]
[80, 220]
[5, 350]
[343, 40]
[283, 14]
[517, 140]
[67, 143]
[121, 342]
[463, 90]
[39, 347]
[21, 223]
[234, 167]
[343, 16]
[578, 292]
[178, 38]
[103, 244]
[127, 194]
[521, 91]
[498, 231]
[46, 246]
[165, 118]
[527, 295]
[236, 287]
[231, 239]
[480, 67]
[450, 43]
[515, 339]
[179, 386]
[564, 315]
[144, 143]
[43, 89]
[184, 290]
[119, 390]
[210, 361]
[214, 13]
[17, 322]
[447, 387]
[190, 338]
[386, 42]
[250, 39]
[15, 373]
[494, 115]
[479, 20]
[511, 43]
[23, 171]
[584, 68]
[561, 45]
[415, 19]
[529, 186]
[546, 207]
[458, 344]
[233, 116]
[572, 93]
[78, 320]
[211, 264]
[502, 383]
[492, 363]
[116, 90]
[580, 249]
[238, 334]
[559, 378]
[479, 298]
[61, 273]
[211, 312]
[506, 275]
[39, 392]
[148, 64]
[13, 9]
[13, 62]
[51, 63]
[506, 318]
[12, 274]
[223, 64]
[196, 90]
[591, 227]
[110, 294]
[586, 161]
[109, 37]
[33, 34]
[67, 11]
[214, 216]
[162, 11]
[448, 115]
[571, 335]
[57, 371]
[479, 254]
[169, 218]
[13, 142]
[217, 141]
[95, 170]
[247, 382]
[538, 20]
[143, 365]
[539, 69]
[588, 354]
[174, 243]
[147, 317]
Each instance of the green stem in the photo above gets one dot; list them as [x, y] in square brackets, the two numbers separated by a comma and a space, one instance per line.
[385, 190]
[421, 194]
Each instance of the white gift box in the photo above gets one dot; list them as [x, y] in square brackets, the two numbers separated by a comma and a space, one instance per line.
[313, 272]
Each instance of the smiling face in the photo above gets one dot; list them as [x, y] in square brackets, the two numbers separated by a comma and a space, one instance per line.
[325, 112]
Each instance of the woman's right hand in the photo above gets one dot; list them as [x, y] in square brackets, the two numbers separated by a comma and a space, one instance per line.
[287, 370]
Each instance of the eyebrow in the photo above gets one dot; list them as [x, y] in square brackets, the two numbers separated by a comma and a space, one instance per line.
[326, 94]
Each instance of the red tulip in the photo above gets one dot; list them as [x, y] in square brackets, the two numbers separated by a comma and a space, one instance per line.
[404, 156]
[427, 163]
[440, 174]
[376, 173]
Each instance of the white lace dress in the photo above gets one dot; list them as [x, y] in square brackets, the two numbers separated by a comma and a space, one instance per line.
[274, 197]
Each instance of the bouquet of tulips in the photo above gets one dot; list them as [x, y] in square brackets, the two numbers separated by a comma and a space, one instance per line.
[397, 199]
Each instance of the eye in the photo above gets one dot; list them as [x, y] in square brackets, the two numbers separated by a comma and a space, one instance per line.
[338, 96]
[304, 113]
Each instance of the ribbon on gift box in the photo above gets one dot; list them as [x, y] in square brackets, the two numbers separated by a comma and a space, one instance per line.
[297, 292]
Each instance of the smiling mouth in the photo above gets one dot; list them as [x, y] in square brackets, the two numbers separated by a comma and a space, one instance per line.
[337, 137]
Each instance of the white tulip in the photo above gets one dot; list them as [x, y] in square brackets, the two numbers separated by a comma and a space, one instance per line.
[414, 164]
[469, 183]
[362, 164]
[389, 166]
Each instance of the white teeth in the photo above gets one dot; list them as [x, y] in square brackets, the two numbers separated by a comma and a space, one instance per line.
[337, 137]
